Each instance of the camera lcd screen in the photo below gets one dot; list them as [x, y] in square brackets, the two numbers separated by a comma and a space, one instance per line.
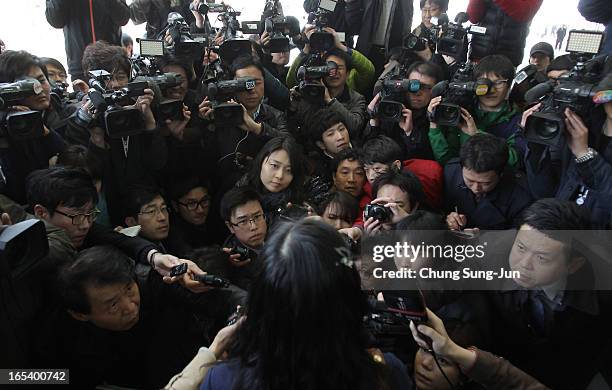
[581, 41]
[328, 5]
[151, 47]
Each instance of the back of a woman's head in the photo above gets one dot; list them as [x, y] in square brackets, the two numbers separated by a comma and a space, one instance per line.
[304, 314]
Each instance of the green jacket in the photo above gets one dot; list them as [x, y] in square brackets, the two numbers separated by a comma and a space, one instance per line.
[360, 77]
[447, 141]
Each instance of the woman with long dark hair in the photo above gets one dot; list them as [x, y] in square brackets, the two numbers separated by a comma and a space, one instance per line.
[277, 174]
[304, 321]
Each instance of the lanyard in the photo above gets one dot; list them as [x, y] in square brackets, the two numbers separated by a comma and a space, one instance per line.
[126, 145]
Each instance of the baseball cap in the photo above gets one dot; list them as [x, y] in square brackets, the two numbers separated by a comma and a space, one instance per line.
[543, 47]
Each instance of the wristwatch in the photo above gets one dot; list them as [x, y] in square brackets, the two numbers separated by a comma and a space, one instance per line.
[589, 155]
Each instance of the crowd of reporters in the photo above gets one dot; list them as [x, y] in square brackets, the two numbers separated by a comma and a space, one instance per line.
[206, 173]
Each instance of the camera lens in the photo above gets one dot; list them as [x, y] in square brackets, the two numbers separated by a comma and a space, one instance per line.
[547, 129]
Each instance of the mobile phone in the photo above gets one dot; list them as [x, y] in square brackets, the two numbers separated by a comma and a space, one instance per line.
[178, 270]
[212, 280]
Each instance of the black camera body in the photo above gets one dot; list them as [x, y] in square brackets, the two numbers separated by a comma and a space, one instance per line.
[460, 92]
[228, 114]
[378, 212]
[244, 252]
[574, 91]
[20, 125]
[321, 40]
[393, 93]
[310, 79]
[205, 7]
[184, 45]
[164, 108]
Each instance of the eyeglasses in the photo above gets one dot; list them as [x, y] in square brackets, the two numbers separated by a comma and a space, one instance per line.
[430, 11]
[192, 205]
[499, 83]
[154, 211]
[255, 219]
[79, 219]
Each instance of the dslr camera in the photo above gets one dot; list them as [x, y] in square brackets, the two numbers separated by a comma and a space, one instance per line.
[574, 90]
[227, 114]
[461, 91]
[20, 125]
[378, 212]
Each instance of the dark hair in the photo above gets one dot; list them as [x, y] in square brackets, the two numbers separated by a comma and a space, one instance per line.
[139, 195]
[15, 64]
[326, 118]
[381, 149]
[78, 156]
[245, 61]
[306, 295]
[52, 187]
[406, 181]
[97, 266]
[351, 154]
[428, 69]
[296, 159]
[237, 196]
[342, 54]
[182, 185]
[53, 62]
[126, 40]
[555, 214]
[497, 64]
[347, 207]
[422, 220]
[101, 55]
[443, 4]
[172, 60]
[484, 152]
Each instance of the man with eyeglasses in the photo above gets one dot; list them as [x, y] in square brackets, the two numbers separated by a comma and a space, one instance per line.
[244, 217]
[493, 113]
[147, 208]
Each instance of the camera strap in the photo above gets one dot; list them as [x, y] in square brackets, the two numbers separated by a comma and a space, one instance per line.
[126, 145]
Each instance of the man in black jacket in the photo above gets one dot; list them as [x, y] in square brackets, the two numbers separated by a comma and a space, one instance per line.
[85, 22]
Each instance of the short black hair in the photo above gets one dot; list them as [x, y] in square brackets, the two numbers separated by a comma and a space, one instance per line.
[68, 187]
[169, 59]
[182, 185]
[126, 40]
[443, 4]
[96, 266]
[101, 55]
[139, 195]
[342, 54]
[422, 220]
[381, 149]
[555, 214]
[53, 62]
[236, 197]
[325, 118]
[351, 154]
[497, 64]
[428, 69]
[405, 180]
[78, 156]
[484, 152]
[244, 61]
[15, 64]
[347, 205]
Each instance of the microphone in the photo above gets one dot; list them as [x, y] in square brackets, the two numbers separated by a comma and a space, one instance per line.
[439, 88]
[535, 93]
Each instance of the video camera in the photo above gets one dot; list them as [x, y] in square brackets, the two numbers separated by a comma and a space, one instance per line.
[278, 26]
[22, 245]
[107, 105]
[183, 45]
[228, 114]
[321, 40]
[525, 79]
[461, 91]
[392, 95]
[310, 79]
[20, 125]
[209, 6]
[574, 90]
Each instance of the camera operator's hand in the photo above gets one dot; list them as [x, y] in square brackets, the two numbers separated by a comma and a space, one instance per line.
[187, 279]
[143, 103]
[456, 221]
[397, 212]
[467, 125]
[308, 30]
[235, 258]
[168, 39]
[265, 41]
[578, 140]
[405, 122]
[5, 220]
[372, 109]
[527, 113]
[294, 97]
[46, 130]
[80, 85]
[435, 102]
[224, 338]
[219, 38]
[199, 18]
[249, 124]
[354, 233]
[177, 127]
[205, 110]
[441, 344]
[327, 97]
[425, 54]
[337, 42]
[371, 226]
[97, 137]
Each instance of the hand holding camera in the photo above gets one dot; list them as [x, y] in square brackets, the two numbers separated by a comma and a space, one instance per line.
[177, 127]
[467, 124]
[238, 256]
